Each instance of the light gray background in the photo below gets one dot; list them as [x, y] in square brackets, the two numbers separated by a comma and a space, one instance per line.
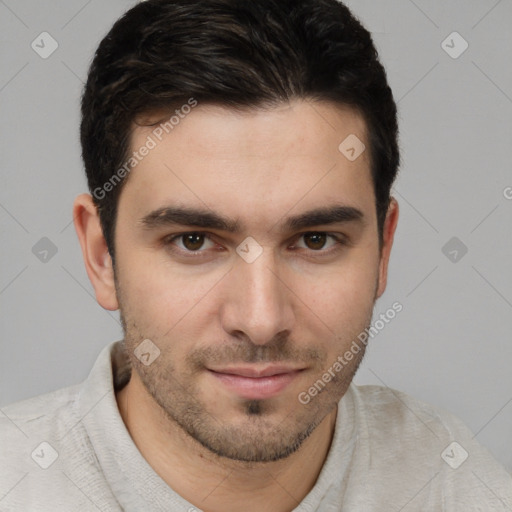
[450, 346]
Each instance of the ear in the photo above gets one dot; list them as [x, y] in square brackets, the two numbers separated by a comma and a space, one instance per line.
[98, 262]
[387, 242]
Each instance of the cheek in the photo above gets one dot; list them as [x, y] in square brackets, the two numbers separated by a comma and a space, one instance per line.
[159, 299]
[144, 295]
[341, 294]
[342, 310]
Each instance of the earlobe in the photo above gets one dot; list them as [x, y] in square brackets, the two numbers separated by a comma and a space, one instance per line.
[98, 262]
[387, 243]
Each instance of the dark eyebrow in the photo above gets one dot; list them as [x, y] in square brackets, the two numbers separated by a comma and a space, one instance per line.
[189, 217]
[328, 215]
[209, 220]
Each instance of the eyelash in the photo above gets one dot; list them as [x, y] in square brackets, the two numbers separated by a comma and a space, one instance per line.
[168, 242]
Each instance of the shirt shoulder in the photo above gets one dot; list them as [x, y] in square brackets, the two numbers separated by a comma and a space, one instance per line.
[428, 449]
[43, 414]
[42, 404]
[47, 460]
[398, 411]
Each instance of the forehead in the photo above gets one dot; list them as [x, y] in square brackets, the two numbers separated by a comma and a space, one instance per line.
[297, 126]
[251, 160]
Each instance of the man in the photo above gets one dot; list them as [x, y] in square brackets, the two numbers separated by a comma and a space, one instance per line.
[240, 157]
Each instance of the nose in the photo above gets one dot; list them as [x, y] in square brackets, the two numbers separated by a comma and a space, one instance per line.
[257, 302]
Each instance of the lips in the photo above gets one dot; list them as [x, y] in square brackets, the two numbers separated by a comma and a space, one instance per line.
[255, 383]
[254, 373]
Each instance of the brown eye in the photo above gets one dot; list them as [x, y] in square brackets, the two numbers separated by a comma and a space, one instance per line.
[193, 241]
[315, 241]
[318, 242]
[193, 244]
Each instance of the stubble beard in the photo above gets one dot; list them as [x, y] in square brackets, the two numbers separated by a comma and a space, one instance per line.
[261, 433]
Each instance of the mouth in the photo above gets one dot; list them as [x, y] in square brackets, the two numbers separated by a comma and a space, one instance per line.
[255, 383]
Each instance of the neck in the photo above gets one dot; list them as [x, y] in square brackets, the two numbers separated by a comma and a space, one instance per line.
[215, 483]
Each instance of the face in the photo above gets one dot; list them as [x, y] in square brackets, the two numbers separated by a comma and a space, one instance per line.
[247, 252]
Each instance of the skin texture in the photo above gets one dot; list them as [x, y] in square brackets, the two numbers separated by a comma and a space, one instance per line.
[301, 303]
